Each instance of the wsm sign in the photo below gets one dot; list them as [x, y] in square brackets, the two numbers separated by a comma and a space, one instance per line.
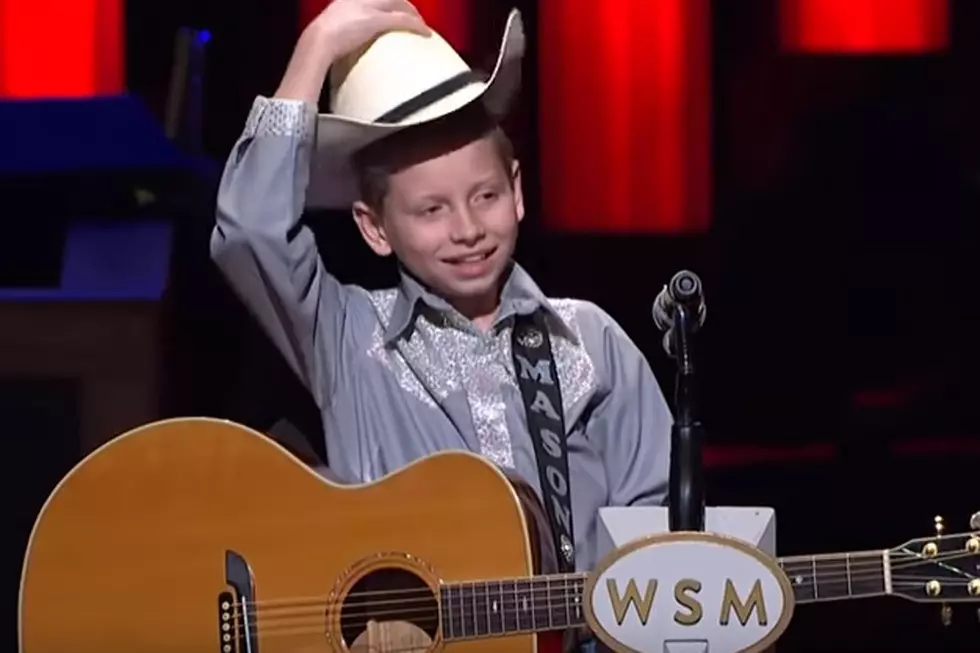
[688, 593]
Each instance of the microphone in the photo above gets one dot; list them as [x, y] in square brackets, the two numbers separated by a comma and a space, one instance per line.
[679, 310]
[684, 289]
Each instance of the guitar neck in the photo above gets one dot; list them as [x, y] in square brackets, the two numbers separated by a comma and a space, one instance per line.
[543, 603]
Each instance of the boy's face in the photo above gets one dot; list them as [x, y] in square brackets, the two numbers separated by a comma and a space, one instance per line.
[452, 221]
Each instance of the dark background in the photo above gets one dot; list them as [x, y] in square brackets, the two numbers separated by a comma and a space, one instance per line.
[840, 270]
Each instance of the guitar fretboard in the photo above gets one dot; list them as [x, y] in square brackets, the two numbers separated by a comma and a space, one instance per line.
[837, 576]
[528, 605]
[511, 606]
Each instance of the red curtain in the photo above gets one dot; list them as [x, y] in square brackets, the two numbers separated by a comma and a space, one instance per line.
[61, 48]
[625, 115]
[864, 26]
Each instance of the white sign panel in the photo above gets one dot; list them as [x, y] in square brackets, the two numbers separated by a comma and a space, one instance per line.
[688, 593]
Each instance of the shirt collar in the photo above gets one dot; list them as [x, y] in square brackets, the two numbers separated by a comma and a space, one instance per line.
[519, 296]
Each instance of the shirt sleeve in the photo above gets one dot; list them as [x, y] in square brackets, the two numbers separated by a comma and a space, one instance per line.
[632, 423]
[267, 255]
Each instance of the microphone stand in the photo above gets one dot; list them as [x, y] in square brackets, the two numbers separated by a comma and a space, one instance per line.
[686, 503]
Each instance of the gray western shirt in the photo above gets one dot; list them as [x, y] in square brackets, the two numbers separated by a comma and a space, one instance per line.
[398, 374]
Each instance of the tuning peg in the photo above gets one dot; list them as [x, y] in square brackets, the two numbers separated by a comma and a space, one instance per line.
[975, 521]
[946, 615]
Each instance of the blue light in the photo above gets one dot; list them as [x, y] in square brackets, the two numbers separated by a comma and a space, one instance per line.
[204, 36]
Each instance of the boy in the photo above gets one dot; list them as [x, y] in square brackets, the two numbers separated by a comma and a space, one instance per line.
[413, 146]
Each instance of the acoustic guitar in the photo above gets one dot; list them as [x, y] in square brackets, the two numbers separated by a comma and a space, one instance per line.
[196, 535]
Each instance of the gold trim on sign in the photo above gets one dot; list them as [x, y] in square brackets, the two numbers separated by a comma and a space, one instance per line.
[769, 562]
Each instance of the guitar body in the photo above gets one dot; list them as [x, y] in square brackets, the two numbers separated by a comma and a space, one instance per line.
[151, 543]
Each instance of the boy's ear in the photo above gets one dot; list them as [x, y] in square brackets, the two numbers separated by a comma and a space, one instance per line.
[371, 228]
[515, 178]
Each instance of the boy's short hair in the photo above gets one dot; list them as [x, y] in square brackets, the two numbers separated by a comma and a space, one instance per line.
[374, 164]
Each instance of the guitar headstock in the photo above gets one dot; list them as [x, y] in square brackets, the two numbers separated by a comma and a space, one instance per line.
[942, 568]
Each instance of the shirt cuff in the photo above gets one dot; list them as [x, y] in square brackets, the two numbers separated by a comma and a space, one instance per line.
[280, 117]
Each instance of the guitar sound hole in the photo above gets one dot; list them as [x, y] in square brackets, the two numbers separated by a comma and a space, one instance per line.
[389, 595]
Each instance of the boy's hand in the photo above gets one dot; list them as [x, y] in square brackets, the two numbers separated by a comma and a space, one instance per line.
[341, 28]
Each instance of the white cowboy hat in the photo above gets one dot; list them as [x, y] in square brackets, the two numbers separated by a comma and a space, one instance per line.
[401, 80]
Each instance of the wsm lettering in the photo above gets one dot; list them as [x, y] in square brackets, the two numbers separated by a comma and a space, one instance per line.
[690, 610]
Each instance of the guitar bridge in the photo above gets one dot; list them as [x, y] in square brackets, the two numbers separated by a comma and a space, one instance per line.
[236, 608]
[226, 620]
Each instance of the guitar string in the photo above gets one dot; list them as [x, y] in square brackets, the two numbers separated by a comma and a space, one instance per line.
[554, 601]
[430, 617]
[322, 608]
[828, 571]
[270, 621]
[559, 595]
[836, 567]
[556, 598]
